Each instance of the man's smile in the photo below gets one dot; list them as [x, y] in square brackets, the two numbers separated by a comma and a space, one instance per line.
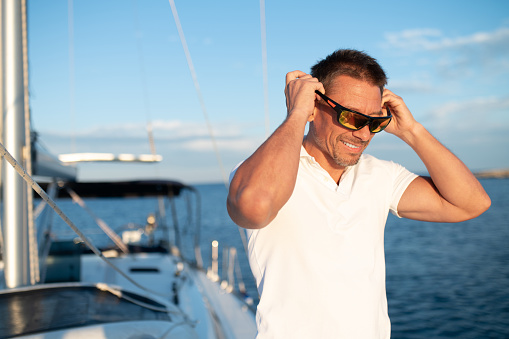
[351, 145]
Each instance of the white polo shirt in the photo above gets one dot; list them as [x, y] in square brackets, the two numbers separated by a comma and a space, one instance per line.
[319, 265]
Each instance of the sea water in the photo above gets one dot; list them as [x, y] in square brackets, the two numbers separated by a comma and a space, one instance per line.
[443, 280]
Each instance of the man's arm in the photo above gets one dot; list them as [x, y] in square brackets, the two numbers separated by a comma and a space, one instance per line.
[451, 193]
[265, 181]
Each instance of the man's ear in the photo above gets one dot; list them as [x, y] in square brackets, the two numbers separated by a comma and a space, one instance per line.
[312, 116]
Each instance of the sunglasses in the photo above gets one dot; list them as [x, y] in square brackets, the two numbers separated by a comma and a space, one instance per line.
[354, 120]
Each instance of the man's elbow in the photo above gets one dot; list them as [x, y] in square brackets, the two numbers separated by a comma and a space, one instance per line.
[249, 212]
[481, 206]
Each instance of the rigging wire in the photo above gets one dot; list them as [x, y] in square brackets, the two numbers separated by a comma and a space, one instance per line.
[46, 224]
[2, 117]
[202, 102]
[70, 39]
[143, 78]
[101, 223]
[198, 90]
[263, 28]
[32, 237]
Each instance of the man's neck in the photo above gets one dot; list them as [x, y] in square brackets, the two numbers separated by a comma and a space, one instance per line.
[324, 160]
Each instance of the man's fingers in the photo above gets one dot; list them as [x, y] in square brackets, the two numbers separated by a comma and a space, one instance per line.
[320, 89]
[299, 75]
[294, 75]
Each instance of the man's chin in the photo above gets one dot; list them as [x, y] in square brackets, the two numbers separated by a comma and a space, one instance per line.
[347, 161]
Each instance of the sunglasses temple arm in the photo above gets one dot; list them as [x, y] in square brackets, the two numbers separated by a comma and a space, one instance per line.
[325, 98]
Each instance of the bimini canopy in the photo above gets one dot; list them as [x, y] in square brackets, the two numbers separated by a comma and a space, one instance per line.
[140, 188]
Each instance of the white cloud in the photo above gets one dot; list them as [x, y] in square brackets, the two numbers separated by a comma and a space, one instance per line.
[186, 148]
[239, 144]
[434, 39]
[486, 105]
[480, 54]
[499, 37]
[413, 38]
[164, 129]
[168, 134]
[480, 114]
[475, 130]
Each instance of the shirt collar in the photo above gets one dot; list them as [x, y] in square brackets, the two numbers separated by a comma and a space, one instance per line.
[304, 153]
[345, 182]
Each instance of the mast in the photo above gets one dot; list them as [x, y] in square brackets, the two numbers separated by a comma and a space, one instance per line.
[14, 216]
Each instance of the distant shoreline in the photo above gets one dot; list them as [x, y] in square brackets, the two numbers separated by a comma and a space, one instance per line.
[496, 174]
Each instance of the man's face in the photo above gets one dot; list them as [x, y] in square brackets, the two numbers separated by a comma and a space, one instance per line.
[332, 142]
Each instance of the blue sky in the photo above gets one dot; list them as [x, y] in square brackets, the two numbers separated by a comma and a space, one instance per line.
[449, 60]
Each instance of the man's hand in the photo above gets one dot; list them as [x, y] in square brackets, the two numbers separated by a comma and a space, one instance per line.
[452, 193]
[300, 93]
[264, 182]
[402, 121]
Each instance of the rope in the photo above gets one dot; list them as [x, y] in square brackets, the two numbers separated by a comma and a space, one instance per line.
[198, 91]
[35, 186]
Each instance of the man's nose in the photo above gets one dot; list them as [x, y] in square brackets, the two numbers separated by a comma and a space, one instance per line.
[364, 133]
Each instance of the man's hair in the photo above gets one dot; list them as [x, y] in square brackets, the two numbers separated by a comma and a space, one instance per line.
[353, 63]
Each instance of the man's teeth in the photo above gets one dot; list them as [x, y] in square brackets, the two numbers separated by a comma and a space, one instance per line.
[351, 145]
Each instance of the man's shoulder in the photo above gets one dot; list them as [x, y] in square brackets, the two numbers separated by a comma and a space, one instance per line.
[390, 170]
[370, 163]
[369, 160]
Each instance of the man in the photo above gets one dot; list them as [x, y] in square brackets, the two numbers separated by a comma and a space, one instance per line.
[315, 207]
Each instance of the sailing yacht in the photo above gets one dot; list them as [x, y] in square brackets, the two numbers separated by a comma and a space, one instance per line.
[142, 286]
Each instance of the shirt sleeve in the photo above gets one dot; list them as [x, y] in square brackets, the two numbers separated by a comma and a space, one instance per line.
[401, 179]
[234, 170]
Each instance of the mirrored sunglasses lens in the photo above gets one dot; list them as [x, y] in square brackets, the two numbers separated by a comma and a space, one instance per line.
[352, 120]
[379, 125]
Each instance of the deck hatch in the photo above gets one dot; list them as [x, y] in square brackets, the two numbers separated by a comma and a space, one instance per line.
[49, 309]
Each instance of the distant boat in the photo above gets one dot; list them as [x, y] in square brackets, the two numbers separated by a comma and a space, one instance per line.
[142, 286]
